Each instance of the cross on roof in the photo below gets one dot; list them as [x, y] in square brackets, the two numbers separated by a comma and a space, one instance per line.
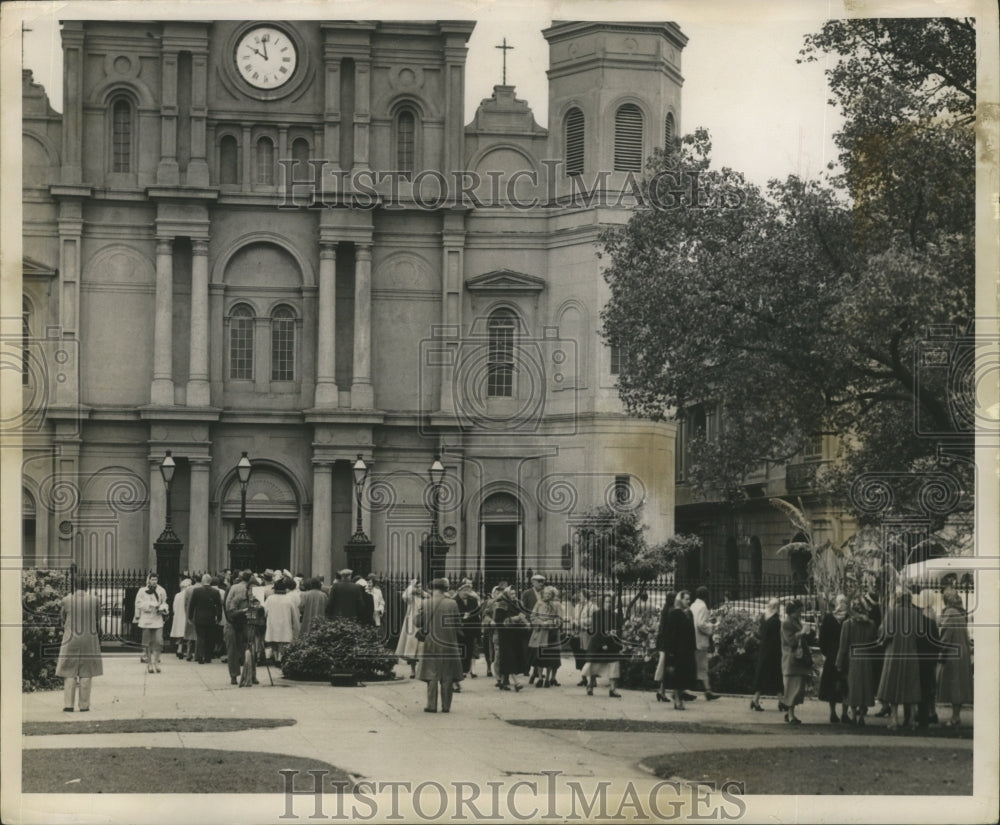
[505, 48]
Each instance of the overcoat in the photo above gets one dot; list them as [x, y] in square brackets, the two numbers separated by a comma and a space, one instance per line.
[441, 659]
[80, 651]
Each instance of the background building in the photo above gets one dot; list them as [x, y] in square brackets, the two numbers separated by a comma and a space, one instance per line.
[208, 271]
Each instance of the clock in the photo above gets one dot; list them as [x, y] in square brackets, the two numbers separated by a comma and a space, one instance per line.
[266, 57]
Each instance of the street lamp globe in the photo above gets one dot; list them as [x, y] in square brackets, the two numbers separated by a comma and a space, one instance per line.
[436, 471]
[167, 468]
[243, 469]
[360, 471]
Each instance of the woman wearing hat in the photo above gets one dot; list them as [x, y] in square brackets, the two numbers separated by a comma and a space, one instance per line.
[796, 659]
[282, 620]
[900, 682]
[178, 627]
[409, 647]
[954, 681]
[546, 634]
[854, 659]
[511, 629]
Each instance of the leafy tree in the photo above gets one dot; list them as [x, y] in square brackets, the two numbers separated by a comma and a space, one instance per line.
[612, 544]
[803, 308]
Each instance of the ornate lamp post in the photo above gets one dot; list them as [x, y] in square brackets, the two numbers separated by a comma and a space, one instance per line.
[435, 548]
[168, 546]
[359, 548]
[242, 548]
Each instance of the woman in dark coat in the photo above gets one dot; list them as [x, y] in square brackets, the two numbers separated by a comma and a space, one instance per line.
[660, 677]
[855, 659]
[796, 659]
[831, 688]
[511, 629]
[900, 682]
[679, 644]
[604, 649]
[767, 678]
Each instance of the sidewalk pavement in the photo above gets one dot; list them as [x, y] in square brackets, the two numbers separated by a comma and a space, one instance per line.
[381, 732]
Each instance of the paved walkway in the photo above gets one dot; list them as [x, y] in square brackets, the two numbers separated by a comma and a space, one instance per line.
[380, 732]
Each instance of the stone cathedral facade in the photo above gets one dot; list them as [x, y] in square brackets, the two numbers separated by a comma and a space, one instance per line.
[290, 239]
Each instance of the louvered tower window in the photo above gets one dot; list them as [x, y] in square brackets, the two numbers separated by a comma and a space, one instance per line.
[121, 128]
[405, 138]
[628, 139]
[574, 142]
[668, 131]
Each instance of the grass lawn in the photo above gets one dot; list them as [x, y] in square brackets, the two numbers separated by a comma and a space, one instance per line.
[902, 770]
[665, 726]
[213, 724]
[166, 770]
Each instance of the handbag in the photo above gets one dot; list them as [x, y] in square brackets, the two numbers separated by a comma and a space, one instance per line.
[803, 655]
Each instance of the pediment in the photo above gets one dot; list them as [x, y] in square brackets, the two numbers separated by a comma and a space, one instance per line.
[30, 268]
[505, 281]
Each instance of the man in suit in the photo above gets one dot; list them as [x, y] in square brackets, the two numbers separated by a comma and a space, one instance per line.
[703, 630]
[347, 600]
[205, 611]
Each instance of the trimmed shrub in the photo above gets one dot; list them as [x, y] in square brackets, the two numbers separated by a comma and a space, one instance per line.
[736, 638]
[338, 646]
[640, 655]
[41, 633]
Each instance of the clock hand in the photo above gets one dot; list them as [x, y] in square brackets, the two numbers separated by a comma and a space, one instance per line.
[263, 42]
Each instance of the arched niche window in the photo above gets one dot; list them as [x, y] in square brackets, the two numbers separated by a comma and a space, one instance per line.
[229, 161]
[241, 320]
[283, 344]
[265, 161]
[300, 158]
[669, 129]
[406, 140]
[25, 341]
[121, 134]
[502, 328]
[628, 138]
[575, 137]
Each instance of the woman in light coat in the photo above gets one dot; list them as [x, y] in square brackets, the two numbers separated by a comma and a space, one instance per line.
[282, 620]
[80, 652]
[178, 628]
[796, 660]
[150, 613]
[409, 648]
[546, 636]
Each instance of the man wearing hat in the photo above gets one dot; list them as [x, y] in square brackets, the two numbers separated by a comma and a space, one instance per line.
[441, 661]
[347, 600]
[529, 598]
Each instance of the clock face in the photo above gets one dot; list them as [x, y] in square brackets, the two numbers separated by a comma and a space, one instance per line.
[266, 57]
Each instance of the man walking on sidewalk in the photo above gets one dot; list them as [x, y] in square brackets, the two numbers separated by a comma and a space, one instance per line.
[703, 629]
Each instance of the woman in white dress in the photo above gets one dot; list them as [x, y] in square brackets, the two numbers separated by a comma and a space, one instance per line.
[282, 620]
[409, 648]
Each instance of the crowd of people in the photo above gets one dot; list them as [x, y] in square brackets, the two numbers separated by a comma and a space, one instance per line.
[908, 660]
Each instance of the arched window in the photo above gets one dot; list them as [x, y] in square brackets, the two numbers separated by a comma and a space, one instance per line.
[241, 343]
[300, 157]
[283, 344]
[500, 364]
[668, 131]
[574, 142]
[406, 135]
[265, 161]
[25, 341]
[229, 163]
[121, 135]
[628, 138]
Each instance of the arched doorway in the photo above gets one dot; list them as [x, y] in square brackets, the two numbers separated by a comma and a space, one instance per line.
[272, 517]
[500, 519]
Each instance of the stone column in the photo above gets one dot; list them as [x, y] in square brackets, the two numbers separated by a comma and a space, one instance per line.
[161, 392]
[362, 111]
[157, 508]
[197, 542]
[167, 172]
[72, 122]
[321, 562]
[197, 387]
[326, 385]
[362, 395]
[197, 171]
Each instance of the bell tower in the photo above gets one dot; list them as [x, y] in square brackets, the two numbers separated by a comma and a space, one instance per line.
[614, 96]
